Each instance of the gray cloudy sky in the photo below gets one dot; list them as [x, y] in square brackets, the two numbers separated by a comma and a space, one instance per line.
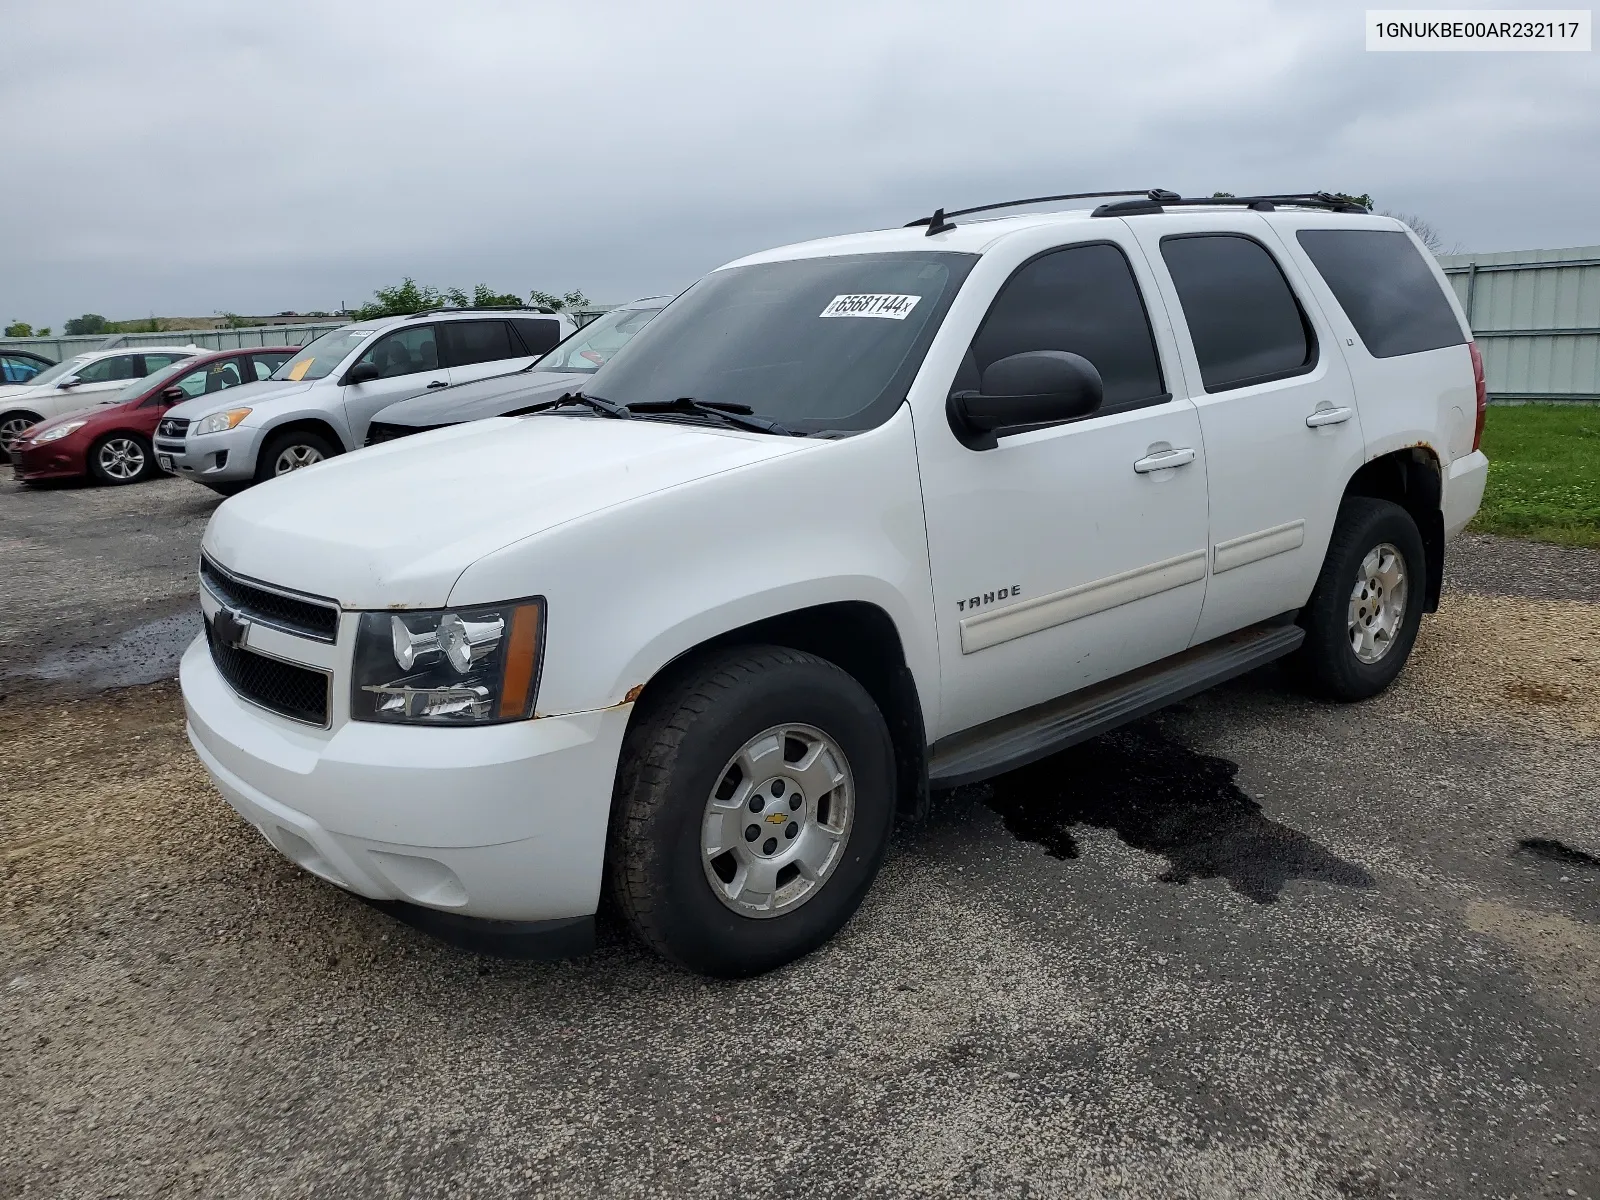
[186, 158]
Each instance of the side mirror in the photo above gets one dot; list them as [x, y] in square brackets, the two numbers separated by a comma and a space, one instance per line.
[1036, 387]
[174, 394]
[362, 373]
[67, 384]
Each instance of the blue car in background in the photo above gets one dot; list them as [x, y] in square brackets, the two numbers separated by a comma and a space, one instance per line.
[19, 366]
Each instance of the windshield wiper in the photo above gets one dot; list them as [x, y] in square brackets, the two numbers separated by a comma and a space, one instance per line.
[598, 404]
[740, 415]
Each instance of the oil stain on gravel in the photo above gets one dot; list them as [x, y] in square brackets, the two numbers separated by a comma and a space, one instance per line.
[1163, 798]
[1559, 852]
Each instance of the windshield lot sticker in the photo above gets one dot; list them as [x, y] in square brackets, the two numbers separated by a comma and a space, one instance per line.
[871, 304]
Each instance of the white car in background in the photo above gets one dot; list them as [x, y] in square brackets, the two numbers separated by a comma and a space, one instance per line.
[79, 382]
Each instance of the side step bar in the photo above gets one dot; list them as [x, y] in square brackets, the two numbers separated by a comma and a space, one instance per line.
[1023, 737]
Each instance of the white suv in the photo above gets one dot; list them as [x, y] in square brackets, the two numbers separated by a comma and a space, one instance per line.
[848, 522]
[319, 403]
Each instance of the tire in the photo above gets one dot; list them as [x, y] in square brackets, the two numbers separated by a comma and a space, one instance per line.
[12, 423]
[296, 444]
[1328, 662]
[121, 457]
[678, 760]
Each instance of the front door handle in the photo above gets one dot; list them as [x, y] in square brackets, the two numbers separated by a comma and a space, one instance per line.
[1329, 416]
[1164, 460]
[437, 383]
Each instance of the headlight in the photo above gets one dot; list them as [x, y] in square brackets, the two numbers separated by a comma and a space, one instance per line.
[219, 422]
[60, 431]
[460, 666]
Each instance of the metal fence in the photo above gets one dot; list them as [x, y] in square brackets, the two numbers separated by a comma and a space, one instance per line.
[60, 348]
[1536, 316]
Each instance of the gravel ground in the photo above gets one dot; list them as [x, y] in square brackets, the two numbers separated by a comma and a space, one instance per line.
[1256, 947]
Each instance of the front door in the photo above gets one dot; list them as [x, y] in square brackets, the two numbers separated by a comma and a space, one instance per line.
[1072, 553]
[409, 364]
[1276, 407]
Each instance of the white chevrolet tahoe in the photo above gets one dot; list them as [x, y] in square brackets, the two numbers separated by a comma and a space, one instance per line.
[849, 522]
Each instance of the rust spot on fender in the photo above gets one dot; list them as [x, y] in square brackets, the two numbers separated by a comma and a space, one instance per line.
[634, 693]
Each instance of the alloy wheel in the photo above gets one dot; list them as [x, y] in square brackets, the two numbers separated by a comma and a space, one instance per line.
[293, 458]
[121, 458]
[1377, 602]
[11, 429]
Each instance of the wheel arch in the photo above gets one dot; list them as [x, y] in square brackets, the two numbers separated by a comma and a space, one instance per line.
[858, 637]
[1413, 479]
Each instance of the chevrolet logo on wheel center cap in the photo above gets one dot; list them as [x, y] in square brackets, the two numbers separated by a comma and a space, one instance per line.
[777, 818]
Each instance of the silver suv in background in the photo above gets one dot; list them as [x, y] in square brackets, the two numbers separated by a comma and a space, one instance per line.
[319, 403]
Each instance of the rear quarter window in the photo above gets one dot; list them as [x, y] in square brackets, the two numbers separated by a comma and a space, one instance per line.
[1385, 288]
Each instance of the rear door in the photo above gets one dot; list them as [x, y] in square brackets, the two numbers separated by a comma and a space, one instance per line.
[1276, 407]
[478, 349]
[409, 363]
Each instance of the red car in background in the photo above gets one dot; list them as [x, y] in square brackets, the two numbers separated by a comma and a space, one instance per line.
[111, 441]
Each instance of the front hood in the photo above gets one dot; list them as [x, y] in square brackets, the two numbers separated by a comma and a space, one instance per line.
[393, 526]
[481, 398]
[89, 416]
[246, 395]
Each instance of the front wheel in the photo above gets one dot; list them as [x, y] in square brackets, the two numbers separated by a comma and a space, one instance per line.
[292, 451]
[753, 807]
[1363, 616]
[121, 458]
[11, 426]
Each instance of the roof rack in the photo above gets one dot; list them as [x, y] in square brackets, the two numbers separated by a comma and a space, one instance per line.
[940, 221]
[1155, 204]
[496, 308]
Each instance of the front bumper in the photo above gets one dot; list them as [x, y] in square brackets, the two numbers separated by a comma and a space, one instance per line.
[61, 459]
[1463, 491]
[504, 822]
[227, 457]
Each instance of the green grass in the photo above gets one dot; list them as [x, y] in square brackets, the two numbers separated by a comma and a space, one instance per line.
[1544, 473]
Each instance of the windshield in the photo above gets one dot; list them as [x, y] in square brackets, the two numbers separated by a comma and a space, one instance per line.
[150, 382]
[586, 351]
[320, 357]
[51, 374]
[814, 343]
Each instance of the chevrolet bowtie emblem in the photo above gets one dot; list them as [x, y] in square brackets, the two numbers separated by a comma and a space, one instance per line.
[229, 627]
[777, 818]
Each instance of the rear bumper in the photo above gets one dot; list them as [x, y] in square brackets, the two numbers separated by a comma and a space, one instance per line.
[505, 823]
[1463, 491]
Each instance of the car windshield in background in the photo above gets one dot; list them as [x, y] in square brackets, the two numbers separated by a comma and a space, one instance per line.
[59, 371]
[134, 390]
[323, 355]
[813, 343]
[586, 351]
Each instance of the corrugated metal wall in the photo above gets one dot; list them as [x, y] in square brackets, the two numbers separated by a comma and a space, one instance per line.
[1536, 316]
[59, 348]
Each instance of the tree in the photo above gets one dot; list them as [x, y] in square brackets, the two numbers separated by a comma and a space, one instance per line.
[20, 329]
[88, 323]
[483, 296]
[232, 320]
[572, 300]
[406, 297]
[1426, 232]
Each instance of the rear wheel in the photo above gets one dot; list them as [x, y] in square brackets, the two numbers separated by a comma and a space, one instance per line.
[1362, 619]
[121, 458]
[292, 451]
[753, 807]
[12, 424]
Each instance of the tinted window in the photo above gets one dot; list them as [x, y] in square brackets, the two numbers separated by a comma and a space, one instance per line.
[814, 343]
[1385, 288]
[468, 342]
[1083, 300]
[266, 364]
[404, 353]
[1246, 324]
[15, 369]
[539, 335]
[105, 370]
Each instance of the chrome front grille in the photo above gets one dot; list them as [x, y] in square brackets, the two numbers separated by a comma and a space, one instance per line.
[173, 427]
[293, 612]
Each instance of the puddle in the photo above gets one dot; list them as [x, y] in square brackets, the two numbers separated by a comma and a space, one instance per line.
[1559, 852]
[1163, 798]
[146, 653]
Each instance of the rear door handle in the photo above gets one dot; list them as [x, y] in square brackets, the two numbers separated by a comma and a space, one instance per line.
[1165, 460]
[1329, 416]
[438, 383]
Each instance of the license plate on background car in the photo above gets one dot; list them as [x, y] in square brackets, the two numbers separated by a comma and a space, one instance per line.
[165, 460]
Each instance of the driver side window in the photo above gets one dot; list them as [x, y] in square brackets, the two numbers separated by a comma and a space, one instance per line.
[109, 370]
[404, 352]
[1082, 299]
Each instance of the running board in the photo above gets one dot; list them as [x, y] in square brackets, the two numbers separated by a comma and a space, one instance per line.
[1023, 737]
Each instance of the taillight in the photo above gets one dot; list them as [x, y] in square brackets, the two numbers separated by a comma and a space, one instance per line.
[1483, 393]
